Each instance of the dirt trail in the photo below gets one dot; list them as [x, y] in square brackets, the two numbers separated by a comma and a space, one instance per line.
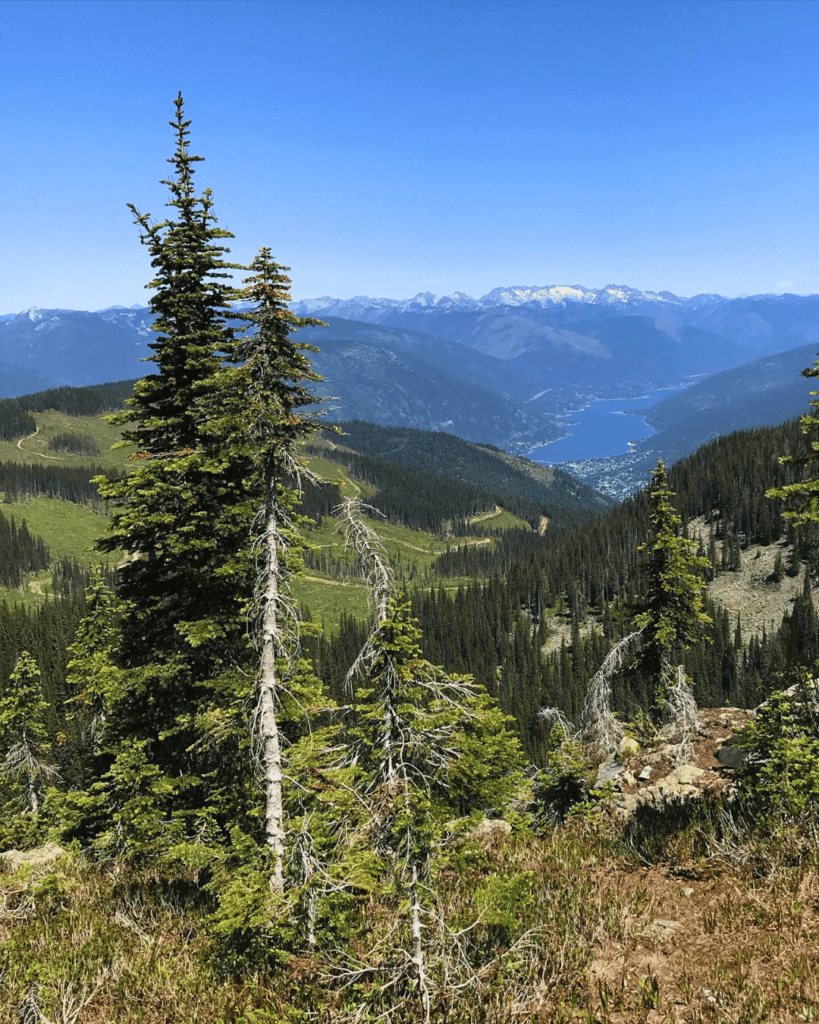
[334, 583]
[485, 515]
[29, 452]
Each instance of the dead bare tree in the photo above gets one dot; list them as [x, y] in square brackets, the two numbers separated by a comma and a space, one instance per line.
[277, 639]
[555, 719]
[680, 710]
[373, 568]
[418, 707]
[599, 729]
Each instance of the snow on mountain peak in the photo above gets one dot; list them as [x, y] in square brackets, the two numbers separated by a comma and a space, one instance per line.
[361, 306]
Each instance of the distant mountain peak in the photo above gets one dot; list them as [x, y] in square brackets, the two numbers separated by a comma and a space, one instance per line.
[109, 309]
[546, 296]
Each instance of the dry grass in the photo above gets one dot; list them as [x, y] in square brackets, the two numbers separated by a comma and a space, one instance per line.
[566, 927]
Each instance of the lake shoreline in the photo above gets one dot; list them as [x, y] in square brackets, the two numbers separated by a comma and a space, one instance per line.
[600, 429]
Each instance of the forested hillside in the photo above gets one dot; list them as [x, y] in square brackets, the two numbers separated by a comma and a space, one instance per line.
[425, 478]
[586, 585]
[15, 413]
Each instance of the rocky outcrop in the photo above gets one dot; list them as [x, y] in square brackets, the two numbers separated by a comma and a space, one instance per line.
[650, 774]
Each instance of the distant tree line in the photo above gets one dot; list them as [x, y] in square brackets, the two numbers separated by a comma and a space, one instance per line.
[74, 444]
[70, 483]
[16, 419]
[20, 552]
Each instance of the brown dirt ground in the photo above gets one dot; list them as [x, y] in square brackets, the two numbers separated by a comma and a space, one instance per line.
[708, 947]
[703, 942]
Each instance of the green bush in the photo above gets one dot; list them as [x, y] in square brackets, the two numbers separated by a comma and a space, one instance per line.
[782, 770]
[565, 781]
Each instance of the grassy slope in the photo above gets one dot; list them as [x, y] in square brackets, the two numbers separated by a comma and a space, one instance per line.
[70, 530]
[49, 423]
[572, 927]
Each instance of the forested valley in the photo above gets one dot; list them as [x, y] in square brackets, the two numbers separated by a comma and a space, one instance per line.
[225, 798]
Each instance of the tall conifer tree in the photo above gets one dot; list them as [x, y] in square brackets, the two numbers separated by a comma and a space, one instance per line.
[276, 369]
[24, 740]
[673, 615]
[802, 496]
[183, 517]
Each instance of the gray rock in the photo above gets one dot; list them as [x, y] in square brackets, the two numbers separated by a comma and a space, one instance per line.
[645, 774]
[625, 804]
[628, 745]
[731, 757]
[13, 860]
[609, 771]
[686, 774]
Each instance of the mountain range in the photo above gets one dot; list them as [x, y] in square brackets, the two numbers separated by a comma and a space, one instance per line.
[506, 368]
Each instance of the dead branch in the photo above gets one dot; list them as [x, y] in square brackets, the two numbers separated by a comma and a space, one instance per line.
[598, 726]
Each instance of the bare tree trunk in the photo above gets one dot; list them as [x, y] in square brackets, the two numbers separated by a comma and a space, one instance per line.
[271, 750]
[680, 708]
[303, 854]
[33, 799]
[418, 942]
[416, 926]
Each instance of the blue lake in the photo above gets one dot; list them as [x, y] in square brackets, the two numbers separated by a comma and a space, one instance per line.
[602, 429]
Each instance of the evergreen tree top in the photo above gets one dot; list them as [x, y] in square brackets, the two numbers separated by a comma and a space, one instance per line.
[673, 613]
[803, 495]
[194, 319]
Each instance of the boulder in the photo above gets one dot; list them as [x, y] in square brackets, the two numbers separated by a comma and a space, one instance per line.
[686, 774]
[490, 831]
[731, 757]
[609, 771]
[13, 860]
[625, 804]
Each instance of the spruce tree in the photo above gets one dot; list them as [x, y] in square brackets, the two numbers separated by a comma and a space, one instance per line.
[182, 514]
[673, 616]
[172, 730]
[801, 497]
[27, 757]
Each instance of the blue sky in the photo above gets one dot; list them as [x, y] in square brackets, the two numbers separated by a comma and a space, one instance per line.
[387, 147]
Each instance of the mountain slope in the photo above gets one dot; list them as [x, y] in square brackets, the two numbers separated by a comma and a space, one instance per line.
[530, 490]
[504, 369]
[76, 347]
